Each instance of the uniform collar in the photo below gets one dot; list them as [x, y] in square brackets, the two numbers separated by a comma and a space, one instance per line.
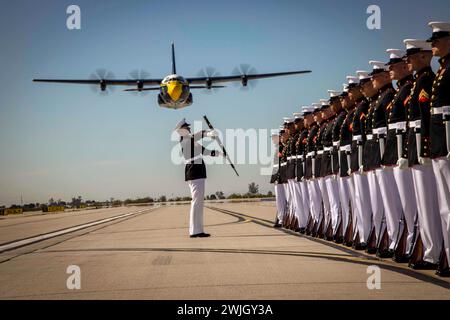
[422, 71]
[444, 60]
[403, 81]
[385, 87]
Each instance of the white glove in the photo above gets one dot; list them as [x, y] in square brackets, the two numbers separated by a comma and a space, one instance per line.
[448, 156]
[349, 171]
[402, 163]
[424, 161]
[211, 134]
[361, 170]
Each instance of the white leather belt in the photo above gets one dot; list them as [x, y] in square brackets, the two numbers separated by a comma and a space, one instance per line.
[283, 164]
[290, 158]
[300, 157]
[327, 149]
[415, 124]
[347, 148]
[320, 152]
[357, 138]
[398, 125]
[369, 136]
[336, 143]
[381, 130]
[187, 161]
[441, 110]
[310, 154]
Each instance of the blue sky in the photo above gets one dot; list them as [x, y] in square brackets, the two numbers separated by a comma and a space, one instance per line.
[61, 141]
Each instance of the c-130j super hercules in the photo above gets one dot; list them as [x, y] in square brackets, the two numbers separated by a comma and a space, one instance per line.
[174, 90]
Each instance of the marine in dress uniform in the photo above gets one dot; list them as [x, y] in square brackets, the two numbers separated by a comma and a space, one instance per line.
[396, 138]
[362, 194]
[283, 171]
[280, 197]
[344, 197]
[391, 199]
[427, 238]
[345, 141]
[195, 172]
[289, 153]
[315, 196]
[368, 167]
[331, 185]
[300, 173]
[300, 210]
[440, 133]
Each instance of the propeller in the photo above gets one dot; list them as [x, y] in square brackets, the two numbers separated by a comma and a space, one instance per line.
[208, 72]
[245, 69]
[139, 74]
[102, 74]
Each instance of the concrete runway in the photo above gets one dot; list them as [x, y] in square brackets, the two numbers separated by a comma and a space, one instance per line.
[148, 255]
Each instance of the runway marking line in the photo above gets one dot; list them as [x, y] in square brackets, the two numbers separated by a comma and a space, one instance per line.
[30, 240]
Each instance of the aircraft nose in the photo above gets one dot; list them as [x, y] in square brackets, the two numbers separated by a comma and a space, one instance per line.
[174, 89]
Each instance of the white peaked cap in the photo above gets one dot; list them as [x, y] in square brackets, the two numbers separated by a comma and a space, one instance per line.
[324, 102]
[288, 120]
[333, 93]
[439, 26]
[377, 65]
[395, 53]
[181, 123]
[316, 105]
[274, 132]
[307, 109]
[417, 44]
[281, 128]
[352, 79]
[363, 74]
[298, 115]
[345, 87]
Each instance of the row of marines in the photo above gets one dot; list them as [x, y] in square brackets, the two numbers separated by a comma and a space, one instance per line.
[370, 167]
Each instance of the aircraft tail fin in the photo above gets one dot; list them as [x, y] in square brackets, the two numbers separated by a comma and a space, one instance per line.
[174, 67]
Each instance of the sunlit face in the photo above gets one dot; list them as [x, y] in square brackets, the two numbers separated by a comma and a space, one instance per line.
[308, 120]
[298, 125]
[380, 79]
[398, 70]
[441, 47]
[336, 105]
[368, 89]
[345, 102]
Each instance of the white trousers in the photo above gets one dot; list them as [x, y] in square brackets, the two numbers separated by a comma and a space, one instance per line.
[280, 197]
[325, 200]
[405, 186]
[376, 202]
[355, 213]
[392, 204]
[315, 199]
[344, 196]
[300, 212]
[196, 215]
[294, 205]
[333, 197]
[362, 195]
[429, 222]
[287, 192]
[441, 168]
[305, 198]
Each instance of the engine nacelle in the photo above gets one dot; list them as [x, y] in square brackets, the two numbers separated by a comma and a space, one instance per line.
[103, 85]
[208, 83]
[244, 80]
[140, 85]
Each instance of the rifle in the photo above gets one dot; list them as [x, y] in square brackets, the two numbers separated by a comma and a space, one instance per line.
[221, 145]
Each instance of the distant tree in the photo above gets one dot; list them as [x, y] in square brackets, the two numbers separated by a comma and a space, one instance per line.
[162, 199]
[269, 194]
[235, 196]
[253, 188]
[212, 197]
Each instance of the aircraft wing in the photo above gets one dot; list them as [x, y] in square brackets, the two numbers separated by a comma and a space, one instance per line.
[109, 82]
[221, 79]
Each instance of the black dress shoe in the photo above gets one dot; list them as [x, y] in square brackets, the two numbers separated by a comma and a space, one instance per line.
[443, 272]
[385, 253]
[302, 230]
[371, 250]
[339, 239]
[361, 246]
[200, 235]
[400, 258]
[423, 265]
[277, 225]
